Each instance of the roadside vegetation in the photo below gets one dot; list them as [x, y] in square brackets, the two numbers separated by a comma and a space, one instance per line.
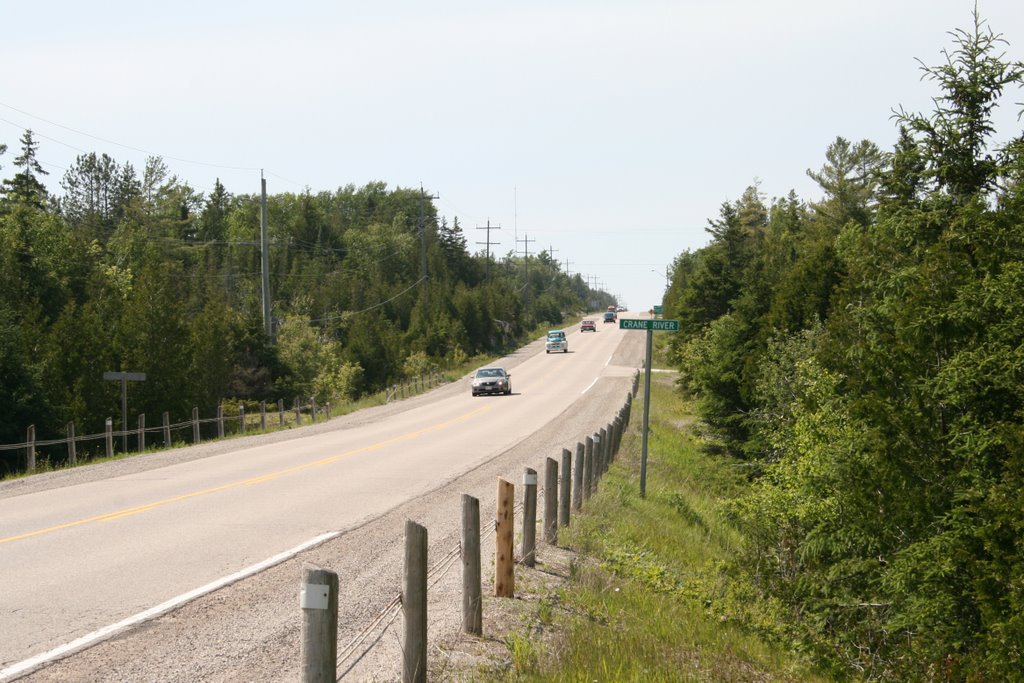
[653, 593]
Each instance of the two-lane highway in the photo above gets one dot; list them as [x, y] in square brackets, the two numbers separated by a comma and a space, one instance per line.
[76, 559]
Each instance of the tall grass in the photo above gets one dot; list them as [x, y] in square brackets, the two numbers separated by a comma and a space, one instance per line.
[650, 596]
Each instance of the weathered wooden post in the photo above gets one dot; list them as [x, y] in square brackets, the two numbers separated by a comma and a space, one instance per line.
[108, 429]
[298, 412]
[565, 485]
[529, 517]
[280, 411]
[241, 417]
[167, 429]
[142, 433]
[318, 598]
[472, 596]
[414, 604]
[577, 478]
[263, 416]
[220, 421]
[605, 450]
[30, 452]
[550, 501]
[72, 446]
[588, 468]
[327, 410]
[195, 425]
[504, 577]
[312, 408]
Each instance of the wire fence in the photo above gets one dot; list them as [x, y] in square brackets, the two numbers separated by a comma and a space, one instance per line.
[228, 420]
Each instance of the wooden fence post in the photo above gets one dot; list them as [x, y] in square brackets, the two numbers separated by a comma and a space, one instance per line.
[72, 446]
[529, 517]
[577, 478]
[550, 501]
[241, 416]
[195, 425]
[504, 562]
[298, 412]
[588, 468]
[414, 604]
[472, 598]
[220, 421]
[167, 429]
[605, 451]
[312, 409]
[263, 416]
[280, 410]
[30, 453]
[109, 430]
[142, 433]
[318, 598]
[565, 488]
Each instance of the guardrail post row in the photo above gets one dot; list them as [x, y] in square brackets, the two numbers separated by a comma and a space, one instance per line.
[472, 598]
[414, 604]
[108, 429]
[550, 501]
[195, 425]
[577, 478]
[30, 451]
[504, 561]
[167, 429]
[529, 516]
[588, 468]
[565, 487]
[72, 447]
[142, 433]
[318, 599]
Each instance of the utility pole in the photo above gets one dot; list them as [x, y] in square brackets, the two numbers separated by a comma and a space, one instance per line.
[487, 262]
[268, 327]
[567, 264]
[423, 247]
[526, 252]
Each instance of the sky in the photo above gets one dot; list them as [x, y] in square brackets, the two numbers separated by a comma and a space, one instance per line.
[607, 133]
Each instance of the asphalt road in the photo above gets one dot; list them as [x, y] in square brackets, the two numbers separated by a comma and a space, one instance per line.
[100, 553]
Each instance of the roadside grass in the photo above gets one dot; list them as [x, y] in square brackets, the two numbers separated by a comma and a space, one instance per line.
[650, 596]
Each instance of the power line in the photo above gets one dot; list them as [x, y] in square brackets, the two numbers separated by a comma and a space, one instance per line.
[487, 262]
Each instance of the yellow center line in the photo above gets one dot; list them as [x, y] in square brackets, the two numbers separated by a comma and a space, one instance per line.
[128, 512]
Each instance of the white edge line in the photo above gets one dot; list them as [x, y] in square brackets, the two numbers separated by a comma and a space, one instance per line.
[591, 386]
[609, 361]
[161, 609]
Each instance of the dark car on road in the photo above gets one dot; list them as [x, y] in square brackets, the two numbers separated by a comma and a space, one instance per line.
[609, 316]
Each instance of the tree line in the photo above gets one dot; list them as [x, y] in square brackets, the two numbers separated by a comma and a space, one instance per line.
[137, 271]
[864, 354]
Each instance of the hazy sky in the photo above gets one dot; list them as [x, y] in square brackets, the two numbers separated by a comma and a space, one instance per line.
[609, 132]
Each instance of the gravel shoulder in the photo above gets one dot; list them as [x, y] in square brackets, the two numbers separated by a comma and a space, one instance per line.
[250, 630]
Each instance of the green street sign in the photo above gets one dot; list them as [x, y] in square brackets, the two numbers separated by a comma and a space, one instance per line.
[657, 310]
[647, 324]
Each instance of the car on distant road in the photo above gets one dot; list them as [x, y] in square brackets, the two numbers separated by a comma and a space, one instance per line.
[609, 316]
[491, 380]
[588, 326]
[556, 342]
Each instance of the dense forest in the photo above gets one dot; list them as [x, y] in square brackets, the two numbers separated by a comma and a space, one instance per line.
[863, 357]
[139, 272]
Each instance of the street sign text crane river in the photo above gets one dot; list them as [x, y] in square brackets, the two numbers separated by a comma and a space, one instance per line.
[650, 325]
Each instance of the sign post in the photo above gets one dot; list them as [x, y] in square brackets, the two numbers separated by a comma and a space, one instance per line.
[125, 377]
[650, 325]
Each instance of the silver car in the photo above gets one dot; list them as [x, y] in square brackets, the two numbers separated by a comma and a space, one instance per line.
[491, 380]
